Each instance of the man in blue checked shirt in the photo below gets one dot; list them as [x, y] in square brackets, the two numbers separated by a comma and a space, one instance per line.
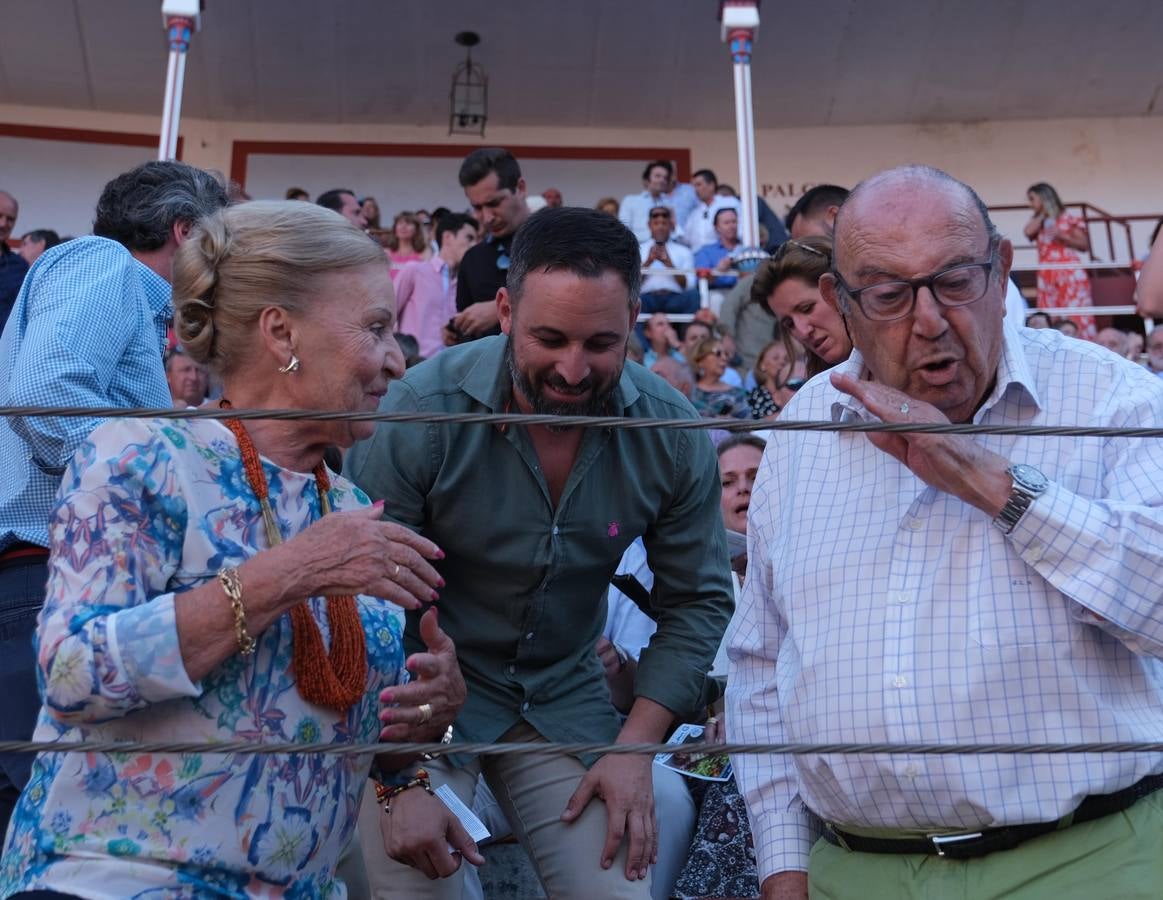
[88, 329]
[955, 589]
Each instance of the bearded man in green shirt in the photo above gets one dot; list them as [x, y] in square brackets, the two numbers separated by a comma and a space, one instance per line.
[533, 521]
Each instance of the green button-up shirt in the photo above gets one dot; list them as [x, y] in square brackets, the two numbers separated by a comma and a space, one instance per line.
[525, 594]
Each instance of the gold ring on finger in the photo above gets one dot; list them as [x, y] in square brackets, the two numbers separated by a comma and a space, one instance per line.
[425, 712]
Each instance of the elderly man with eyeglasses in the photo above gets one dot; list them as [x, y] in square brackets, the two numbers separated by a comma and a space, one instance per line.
[956, 589]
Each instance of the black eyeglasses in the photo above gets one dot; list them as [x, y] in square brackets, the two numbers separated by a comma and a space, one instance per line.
[956, 286]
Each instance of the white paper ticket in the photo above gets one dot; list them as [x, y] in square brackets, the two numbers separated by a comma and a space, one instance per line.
[474, 826]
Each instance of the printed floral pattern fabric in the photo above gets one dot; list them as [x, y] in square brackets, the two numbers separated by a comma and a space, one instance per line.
[731, 403]
[148, 510]
[721, 862]
[1061, 288]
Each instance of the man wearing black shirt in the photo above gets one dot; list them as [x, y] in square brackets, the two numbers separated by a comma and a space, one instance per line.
[494, 187]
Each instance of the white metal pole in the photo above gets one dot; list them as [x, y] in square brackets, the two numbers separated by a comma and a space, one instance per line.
[179, 28]
[745, 135]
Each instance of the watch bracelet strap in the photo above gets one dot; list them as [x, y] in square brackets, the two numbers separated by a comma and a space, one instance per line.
[1016, 505]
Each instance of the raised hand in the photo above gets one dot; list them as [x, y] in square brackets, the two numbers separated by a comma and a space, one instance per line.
[356, 553]
[424, 708]
[953, 463]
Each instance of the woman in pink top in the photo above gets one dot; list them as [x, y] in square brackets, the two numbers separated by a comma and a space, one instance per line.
[406, 243]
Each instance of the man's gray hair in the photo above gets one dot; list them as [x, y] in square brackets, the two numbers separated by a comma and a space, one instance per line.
[919, 174]
[138, 209]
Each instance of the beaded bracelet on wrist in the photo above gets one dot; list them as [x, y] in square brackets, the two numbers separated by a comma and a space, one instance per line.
[385, 795]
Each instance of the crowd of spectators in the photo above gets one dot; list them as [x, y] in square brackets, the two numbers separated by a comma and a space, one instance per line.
[686, 231]
[692, 230]
[281, 286]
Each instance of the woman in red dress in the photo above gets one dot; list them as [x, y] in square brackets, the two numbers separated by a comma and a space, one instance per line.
[1060, 237]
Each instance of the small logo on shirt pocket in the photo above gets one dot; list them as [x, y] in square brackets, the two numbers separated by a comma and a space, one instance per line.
[612, 530]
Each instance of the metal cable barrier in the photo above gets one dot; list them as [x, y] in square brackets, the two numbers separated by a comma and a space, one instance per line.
[572, 749]
[614, 422]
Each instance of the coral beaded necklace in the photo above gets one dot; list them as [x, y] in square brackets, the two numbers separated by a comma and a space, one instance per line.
[337, 679]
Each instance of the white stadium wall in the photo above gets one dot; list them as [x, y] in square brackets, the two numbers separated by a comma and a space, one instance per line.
[1111, 163]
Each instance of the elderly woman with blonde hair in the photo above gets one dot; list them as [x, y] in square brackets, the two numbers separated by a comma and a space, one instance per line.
[213, 581]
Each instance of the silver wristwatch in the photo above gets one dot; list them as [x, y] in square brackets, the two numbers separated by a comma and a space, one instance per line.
[1029, 483]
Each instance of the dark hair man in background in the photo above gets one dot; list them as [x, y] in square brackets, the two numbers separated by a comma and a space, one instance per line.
[344, 202]
[34, 243]
[815, 212]
[492, 182]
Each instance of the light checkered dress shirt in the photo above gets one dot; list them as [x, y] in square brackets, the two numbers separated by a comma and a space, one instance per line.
[879, 609]
[88, 329]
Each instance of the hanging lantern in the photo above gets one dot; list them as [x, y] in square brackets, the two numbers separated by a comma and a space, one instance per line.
[469, 97]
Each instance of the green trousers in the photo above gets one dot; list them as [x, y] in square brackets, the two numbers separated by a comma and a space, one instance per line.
[1119, 857]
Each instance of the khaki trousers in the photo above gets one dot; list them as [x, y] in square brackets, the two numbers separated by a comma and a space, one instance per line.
[1119, 856]
[533, 792]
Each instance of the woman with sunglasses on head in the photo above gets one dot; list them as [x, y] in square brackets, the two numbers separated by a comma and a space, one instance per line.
[788, 284]
[712, 396]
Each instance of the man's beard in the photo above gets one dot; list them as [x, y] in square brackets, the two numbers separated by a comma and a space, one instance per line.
[596, 404]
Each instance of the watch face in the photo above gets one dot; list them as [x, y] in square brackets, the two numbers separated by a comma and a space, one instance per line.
[1029, 478]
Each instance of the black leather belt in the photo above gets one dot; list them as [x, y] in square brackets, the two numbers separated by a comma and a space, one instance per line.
[970, 844]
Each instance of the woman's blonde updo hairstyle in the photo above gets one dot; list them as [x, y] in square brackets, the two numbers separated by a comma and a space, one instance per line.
[245, 258]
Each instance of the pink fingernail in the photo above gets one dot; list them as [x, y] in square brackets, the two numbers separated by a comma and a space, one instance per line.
[435, 596]
[378, 504]
[439, 553]
[385, 697]
[440, 582]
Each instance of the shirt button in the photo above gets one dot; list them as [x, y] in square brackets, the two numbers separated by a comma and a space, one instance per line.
[1034, 552]
[512, 670]
[900, 597]
[529, 636]
[914, 524]
[555, 530]
[525, 707]
[912, 770]
[900, 681]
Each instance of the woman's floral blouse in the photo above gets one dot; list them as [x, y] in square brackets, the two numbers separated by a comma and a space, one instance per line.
[145, 511]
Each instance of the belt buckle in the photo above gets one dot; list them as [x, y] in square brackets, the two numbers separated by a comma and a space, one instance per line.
[940, 841]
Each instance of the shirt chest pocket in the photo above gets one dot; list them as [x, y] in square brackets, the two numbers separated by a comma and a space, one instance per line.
[1012, 606]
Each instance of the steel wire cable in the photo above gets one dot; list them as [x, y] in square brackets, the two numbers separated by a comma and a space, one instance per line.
[613, 422]
[575, 749]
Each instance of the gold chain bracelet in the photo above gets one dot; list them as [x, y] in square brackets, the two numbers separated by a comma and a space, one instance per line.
[232, 585]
